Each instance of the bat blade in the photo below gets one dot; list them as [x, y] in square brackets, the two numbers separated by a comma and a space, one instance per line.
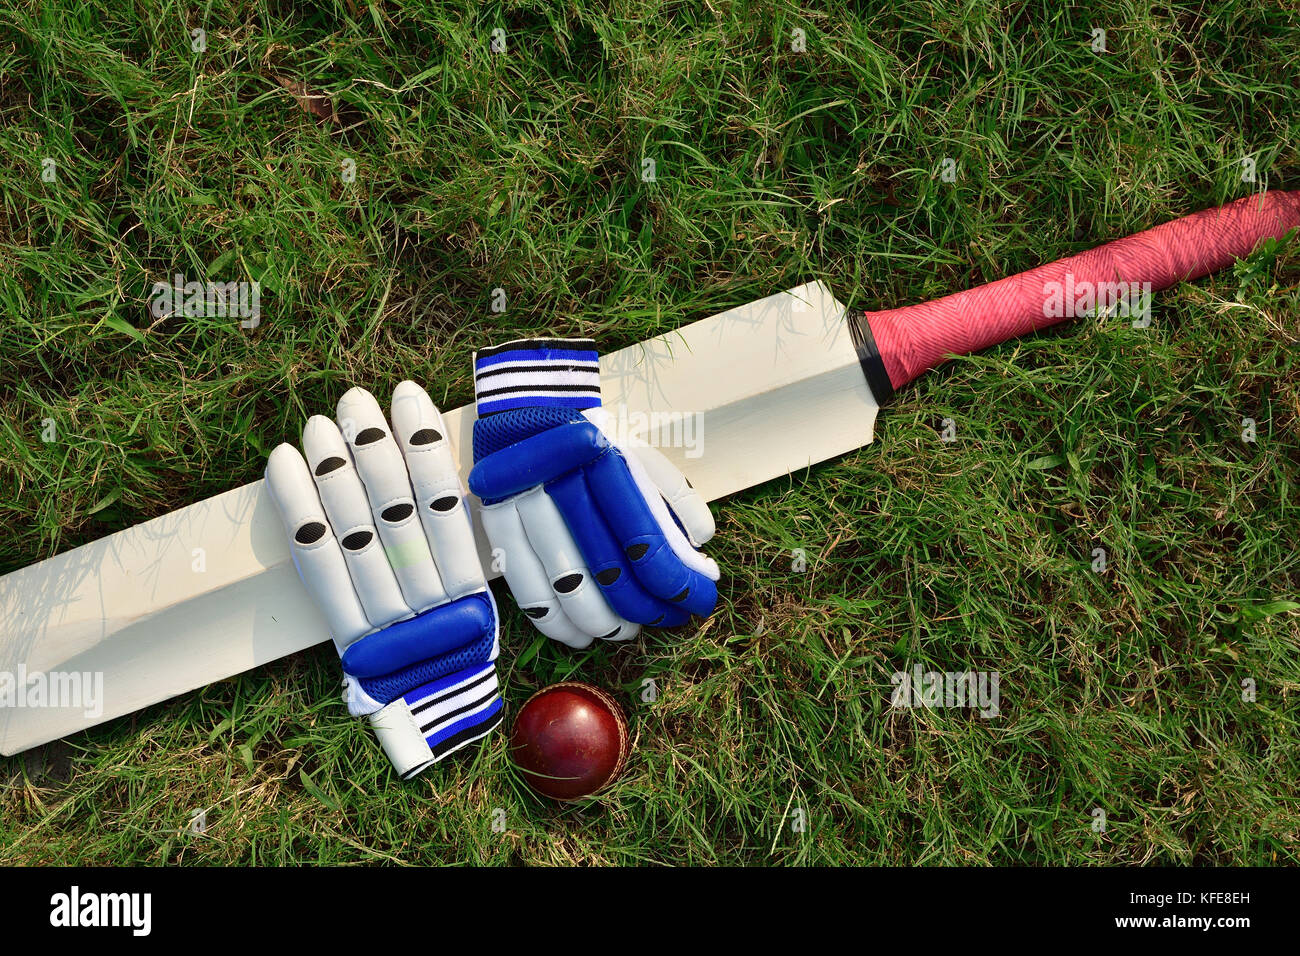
[209, 591]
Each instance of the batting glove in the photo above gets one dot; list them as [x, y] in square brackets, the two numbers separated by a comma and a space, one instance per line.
[380, 536]
[596, 537]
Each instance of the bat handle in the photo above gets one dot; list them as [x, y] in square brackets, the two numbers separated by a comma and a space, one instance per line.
[897, 345]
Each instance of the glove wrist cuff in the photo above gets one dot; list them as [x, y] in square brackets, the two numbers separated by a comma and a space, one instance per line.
[438, 718]
[528, 373]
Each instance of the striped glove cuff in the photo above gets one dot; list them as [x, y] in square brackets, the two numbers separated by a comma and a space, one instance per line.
[421, 727]
[528, 373]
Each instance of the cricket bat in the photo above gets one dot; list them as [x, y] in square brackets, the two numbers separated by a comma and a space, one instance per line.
[209, 591]
[765, 390]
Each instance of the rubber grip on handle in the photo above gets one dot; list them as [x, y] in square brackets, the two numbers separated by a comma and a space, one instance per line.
[915, 338]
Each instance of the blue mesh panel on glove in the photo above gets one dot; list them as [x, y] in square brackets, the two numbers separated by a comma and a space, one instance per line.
[503, 429]
[388, 688]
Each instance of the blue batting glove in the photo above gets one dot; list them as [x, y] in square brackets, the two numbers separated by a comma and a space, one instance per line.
[596, 537]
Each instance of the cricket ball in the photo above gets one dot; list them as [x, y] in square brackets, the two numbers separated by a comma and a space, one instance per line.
[569, 740]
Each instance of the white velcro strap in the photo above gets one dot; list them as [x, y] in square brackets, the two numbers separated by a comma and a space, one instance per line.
[400, 736]
[434, 720]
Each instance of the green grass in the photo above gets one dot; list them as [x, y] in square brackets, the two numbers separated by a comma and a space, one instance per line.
[1120, 690]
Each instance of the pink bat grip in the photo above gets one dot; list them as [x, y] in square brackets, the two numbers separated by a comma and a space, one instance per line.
[919, 337]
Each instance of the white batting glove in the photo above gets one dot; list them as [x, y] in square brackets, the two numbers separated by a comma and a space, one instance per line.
[381, 538]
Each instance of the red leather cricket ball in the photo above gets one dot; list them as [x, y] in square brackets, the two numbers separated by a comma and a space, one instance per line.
[569, 740]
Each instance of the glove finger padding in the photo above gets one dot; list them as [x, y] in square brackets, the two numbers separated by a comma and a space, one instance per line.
[690, 510]
[566, 570]
[439, 495]
[344, 499]
[316, 552]
[427, 681]
[526, 576]
[388, 489]
[608, 563]
[675, 573]
[586, 510]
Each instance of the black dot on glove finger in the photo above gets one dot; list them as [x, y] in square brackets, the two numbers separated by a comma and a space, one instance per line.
[688, 482]
[658, 620]
[397, 512]
[357, 540]
[611, 635]
[368, 436]
[681, 597]
[568, 583]
[332, 463]
[609, 576]
[637, 551]
[426, 436]
[443, 504]
[537, 612]
[310, 533]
